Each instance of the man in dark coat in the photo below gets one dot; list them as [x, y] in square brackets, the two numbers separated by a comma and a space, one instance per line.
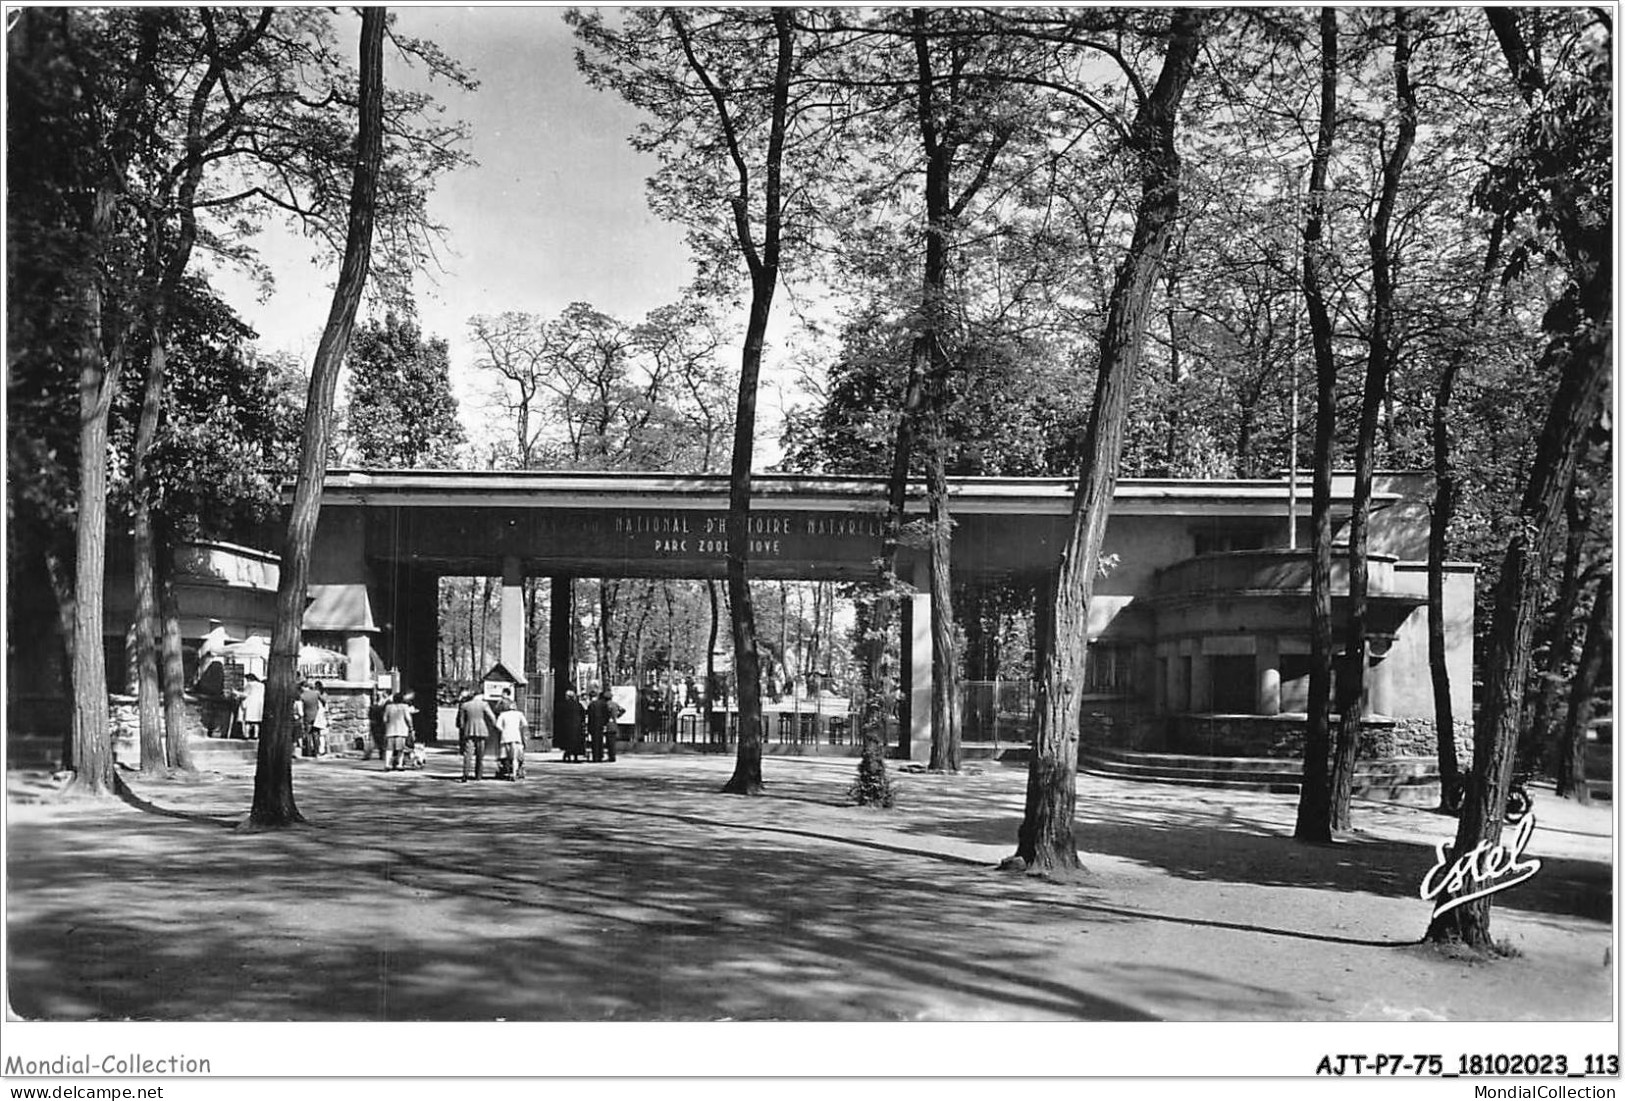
[571, 734]
[601, 715]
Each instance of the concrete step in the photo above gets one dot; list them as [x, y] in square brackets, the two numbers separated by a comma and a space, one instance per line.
[1403, 780]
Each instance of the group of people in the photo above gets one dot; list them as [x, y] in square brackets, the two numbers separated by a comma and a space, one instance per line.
[580, 729]
[477, 721]
[594, 725]
[389, 727]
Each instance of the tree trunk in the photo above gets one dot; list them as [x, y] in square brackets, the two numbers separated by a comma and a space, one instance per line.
[944, 657]
[148, 622]
[607, 594]
[177, 748]
[476, 644]
[1594, 655]
[485, 624]
[711, 652]
[148, 631]
[938, 124]
[764, 277]
[62, 589]
[91, 756]
[1314, 819]
[747, 774]
[273, 804]
[1379, 362]
[1444, 508]
[1445, 494]
[1543, 730]
[1045, 843]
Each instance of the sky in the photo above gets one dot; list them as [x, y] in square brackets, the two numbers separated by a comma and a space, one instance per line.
[554, 212]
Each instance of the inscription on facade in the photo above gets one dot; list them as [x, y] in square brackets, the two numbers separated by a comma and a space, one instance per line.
[671, 535]
[772, 534]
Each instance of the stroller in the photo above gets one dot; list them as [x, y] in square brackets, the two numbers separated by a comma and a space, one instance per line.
[511, 761]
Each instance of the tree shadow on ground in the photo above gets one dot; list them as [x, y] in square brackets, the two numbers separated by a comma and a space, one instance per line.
[609, 896]
[608, 923]
[1215, 846]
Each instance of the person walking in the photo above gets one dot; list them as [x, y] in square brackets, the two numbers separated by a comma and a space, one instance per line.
[311, 700]
[375, 725]
[572, 733]
[511, 735]
[318, 726]
[475, 722]
[397, 730]
[601, 715]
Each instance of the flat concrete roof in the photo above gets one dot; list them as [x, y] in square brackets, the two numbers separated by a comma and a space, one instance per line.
[592, 523]
[1021, 496]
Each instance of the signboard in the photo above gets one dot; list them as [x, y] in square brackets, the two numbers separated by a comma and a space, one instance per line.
[627, 696]
[676, 535]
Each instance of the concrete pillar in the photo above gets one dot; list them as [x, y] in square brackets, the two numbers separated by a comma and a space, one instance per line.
[917, 669]
[512, 650]
[1378, 695]
[1201, 686]
[1269, 675]
[1179, 699]
[358, 658]
[560, 659]
[421, 669]
[412, 645]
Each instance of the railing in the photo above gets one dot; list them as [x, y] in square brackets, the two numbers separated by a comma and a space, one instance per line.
[1276, 569]
[823, 720]
[996, 711]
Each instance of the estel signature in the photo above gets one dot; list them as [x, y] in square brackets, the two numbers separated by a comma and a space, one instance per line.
[1489, 867]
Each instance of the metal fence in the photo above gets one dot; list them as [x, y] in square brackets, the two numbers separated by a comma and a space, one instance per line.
[823, 720]
[996, 711]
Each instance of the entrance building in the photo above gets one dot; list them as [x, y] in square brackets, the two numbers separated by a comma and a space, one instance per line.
[1202, 609]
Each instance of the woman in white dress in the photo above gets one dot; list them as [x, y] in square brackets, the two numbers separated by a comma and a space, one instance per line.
[253, 705]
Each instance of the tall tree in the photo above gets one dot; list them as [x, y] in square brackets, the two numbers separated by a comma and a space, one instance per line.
[1045, 841]
[1558, 179]
[951, 112]
[719, 83]
[214, 451]
[1314, 818]
[1446, 491]
[1379, 365]
[168, 252]
[273, 804]
[401, 411]
[90, 77]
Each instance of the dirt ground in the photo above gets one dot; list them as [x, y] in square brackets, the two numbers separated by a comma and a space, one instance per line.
[636, 892]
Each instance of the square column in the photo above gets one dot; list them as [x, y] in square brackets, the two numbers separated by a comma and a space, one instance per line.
[1269, 675]
[1179, 668]
[414, 649]
[560, 659]
[358, 658]
[1201, 682]
[916, 680]
[512, 649]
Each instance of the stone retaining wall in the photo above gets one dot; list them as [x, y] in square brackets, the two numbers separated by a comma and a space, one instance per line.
[1283, 736]
[346, 720]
